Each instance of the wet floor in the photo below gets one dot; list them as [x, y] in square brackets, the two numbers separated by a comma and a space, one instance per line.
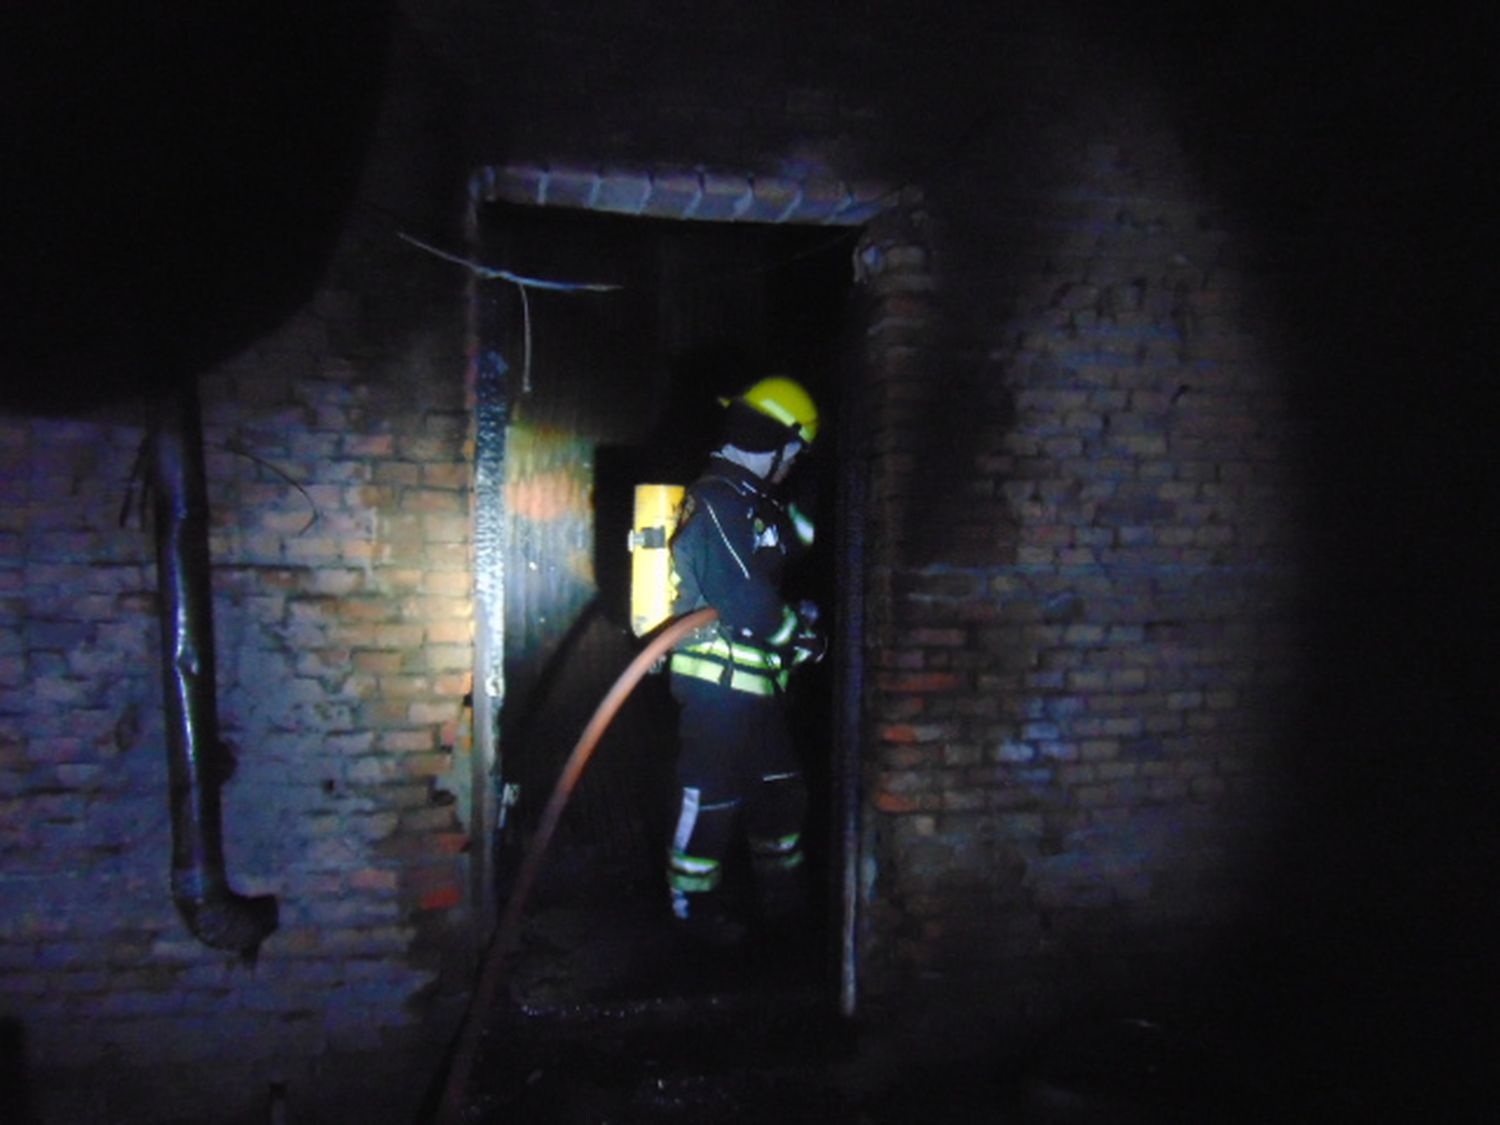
[606, 1015]
[727, 1061]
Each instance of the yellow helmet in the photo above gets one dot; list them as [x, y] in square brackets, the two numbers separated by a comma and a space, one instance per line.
[786, 401]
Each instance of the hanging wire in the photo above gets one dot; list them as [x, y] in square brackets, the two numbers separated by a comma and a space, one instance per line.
[138, 486]
[525, 341]
[239, 450]
[522, 284]
[493, 273]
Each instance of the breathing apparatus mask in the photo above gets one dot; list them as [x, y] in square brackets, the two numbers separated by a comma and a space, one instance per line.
[774, 416]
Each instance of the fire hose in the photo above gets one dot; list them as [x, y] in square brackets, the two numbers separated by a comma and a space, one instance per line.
[507, 933]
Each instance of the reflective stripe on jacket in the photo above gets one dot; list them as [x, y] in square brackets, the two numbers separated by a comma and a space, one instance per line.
[731, 675]
[728, 551]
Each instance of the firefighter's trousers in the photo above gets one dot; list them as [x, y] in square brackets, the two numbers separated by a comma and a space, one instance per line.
[738, 774]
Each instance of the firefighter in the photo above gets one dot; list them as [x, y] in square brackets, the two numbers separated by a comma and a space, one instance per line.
[738, 774]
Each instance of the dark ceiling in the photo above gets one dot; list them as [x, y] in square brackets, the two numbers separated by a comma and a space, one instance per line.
[175, 176]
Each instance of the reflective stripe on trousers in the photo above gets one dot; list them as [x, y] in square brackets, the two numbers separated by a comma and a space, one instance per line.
[686, 872]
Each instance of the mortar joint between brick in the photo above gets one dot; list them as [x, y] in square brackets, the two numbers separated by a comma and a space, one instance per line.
[834, 217]
[697, 201]
[744, 202]
[791, 208]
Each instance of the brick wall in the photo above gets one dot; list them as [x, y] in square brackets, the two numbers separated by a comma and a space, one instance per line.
[338, 457]
[341, 595]
[1082, 460]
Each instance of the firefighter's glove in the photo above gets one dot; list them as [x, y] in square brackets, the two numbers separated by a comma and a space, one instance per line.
[809, 649]
[810, 644]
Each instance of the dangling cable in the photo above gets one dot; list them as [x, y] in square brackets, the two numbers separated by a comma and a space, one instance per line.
[493, 273]
[525, 341]
[521, 282]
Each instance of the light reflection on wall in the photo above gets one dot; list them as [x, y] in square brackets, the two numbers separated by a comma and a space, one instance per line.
[550, 568]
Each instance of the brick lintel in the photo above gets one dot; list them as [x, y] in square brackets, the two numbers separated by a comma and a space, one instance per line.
[683, 193]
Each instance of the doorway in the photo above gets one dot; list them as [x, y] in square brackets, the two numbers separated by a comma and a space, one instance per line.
[613, 359]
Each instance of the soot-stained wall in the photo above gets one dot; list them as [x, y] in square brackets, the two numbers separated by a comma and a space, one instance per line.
[1138, 694]
[336, 445]
[1080, 459]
